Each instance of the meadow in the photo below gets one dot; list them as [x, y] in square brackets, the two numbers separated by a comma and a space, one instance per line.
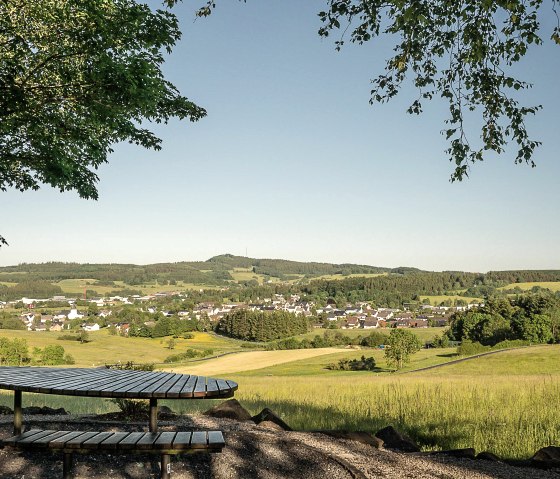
[437, 300]
[504, 403]
[551, 285]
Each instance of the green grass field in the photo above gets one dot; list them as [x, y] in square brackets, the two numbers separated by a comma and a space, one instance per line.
[551, 285]
[105, 348]
[437, 300]
[504, 403]
[424, 334]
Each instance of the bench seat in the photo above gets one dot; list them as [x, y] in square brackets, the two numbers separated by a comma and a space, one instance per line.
[163, 443]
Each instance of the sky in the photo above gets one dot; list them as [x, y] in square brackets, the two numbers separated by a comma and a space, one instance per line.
[292, 162]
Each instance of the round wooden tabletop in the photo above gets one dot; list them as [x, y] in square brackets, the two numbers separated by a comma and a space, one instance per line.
[113, 383]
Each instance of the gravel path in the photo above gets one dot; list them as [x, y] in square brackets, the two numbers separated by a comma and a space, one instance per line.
[251, 452]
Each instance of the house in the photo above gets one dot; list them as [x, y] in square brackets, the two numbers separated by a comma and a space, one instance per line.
[90, 327]
[370, 323]
[352, 322]
[74, 314]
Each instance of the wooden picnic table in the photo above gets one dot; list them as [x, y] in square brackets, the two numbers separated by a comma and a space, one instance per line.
[110, 383]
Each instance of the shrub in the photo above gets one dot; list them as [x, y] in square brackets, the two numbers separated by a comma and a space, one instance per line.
[363, 364]
[132, 366]
[132, 407]
[469, 348]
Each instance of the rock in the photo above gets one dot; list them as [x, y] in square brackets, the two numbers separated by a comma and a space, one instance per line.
[467, 453]
[230, 409]
[547, 457]
[488, 456]
[358, 436]
[44, 411]
[270, 425]
[267, 415]
[5, 410]
[393, 439]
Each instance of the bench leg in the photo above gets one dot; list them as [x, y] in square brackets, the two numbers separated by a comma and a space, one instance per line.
[165, 467]
[67, 465]
[17, 413]
[153, 415]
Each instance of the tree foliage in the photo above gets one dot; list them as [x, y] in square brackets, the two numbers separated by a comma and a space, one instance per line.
[75, 78]
[399, 346]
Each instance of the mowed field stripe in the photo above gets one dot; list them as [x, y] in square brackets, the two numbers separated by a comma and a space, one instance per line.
[249, 361]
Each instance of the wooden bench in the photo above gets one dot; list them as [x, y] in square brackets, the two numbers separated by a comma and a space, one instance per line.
[163, 443]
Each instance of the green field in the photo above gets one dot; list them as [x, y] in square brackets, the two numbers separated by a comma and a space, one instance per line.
[105, 348]
[437, 300]
[330, 277]
[551, 285]
[424, 334]
[505, 403]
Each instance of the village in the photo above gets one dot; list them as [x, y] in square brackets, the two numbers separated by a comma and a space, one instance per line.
[96, 313]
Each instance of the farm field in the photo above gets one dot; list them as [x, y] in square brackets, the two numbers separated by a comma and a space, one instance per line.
[329, 277]
[552, 285]
[437, 300]
[424, 334]
[105, 348]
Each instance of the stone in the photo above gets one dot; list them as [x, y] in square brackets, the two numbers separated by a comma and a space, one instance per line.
[358, 436]
[488, 456]
[466, 453]
[393, 439]
[230, 409]
[547, 457]
[44, 411]
[268, 415]
[5, 410]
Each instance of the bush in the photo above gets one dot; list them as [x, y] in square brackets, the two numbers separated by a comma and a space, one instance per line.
[132, 408]
[188, 354]
[130, 366]
[363, 364]
[469, 348]
[512, 343]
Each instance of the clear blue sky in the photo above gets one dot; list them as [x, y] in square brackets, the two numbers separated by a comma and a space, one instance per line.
[292, 162]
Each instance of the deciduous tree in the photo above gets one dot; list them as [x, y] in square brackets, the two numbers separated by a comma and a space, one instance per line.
[400, 345]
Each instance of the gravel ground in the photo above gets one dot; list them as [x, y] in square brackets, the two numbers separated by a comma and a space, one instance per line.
[250, 452]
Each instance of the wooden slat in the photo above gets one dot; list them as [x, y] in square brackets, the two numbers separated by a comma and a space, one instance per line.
[161, 390]
[212, 388]
[165, 440]
[188, 388]
[129, 442]
[93, 442]
[113, 441]
[182, 440]
[27, 434]
[76, 442]
[199, 440]
[134, 391]
[174, 391]
[60, 442]
[45, 440]
[216, 439]
[152, 389]
[30, 439]
[147, 440]
[200, 388]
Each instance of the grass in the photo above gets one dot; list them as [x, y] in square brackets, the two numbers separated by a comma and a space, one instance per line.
[105, 348]
[437, 300]
[551, 285]
[424, 334]
[504, 403]
[330, 277]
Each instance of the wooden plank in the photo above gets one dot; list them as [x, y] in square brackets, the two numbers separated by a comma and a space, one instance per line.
[134, 391]
[223, 386]
[199, 440]
[188, 388]
[200, 388]
[212, 388]
[129, 442]
[93, 442]
[24, 435]
[76, 442]
[45, 440]
[216, 440]
[147, 440]
[182, 440]
[113, 441]
[174, 391]
[30, 439]
[60, 442]
[152, 389]
[161, 391]
[165, 440]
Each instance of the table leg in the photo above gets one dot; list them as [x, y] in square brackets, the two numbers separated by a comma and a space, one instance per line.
[153, 415]
[67, 465]
[165, 467]
[17, 413]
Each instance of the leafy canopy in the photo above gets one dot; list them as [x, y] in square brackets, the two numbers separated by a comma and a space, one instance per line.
[77, 76]
[459, 50]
